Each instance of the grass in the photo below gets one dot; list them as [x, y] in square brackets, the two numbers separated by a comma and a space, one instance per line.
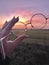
[33, 50]
[35, 36]
[30, 54]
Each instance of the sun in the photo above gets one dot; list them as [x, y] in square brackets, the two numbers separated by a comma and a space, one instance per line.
[22, 19]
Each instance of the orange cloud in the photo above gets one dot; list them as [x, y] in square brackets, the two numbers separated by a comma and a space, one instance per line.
[23, 17]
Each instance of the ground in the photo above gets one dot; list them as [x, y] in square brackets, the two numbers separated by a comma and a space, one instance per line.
[32, 51]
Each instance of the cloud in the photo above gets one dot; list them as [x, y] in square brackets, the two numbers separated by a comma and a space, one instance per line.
[24, 16]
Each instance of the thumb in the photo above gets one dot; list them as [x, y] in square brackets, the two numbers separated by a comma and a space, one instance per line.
[4, 39]
[20, 38]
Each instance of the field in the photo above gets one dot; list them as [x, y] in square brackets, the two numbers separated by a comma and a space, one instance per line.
[33, 50]
[35, 36]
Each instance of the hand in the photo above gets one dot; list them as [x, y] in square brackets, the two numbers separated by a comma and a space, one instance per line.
[9, 46]
[8, 26]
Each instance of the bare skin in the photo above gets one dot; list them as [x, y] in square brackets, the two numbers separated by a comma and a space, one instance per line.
[9, 46]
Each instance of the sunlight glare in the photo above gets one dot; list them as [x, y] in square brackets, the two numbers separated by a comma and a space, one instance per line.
[21, 19]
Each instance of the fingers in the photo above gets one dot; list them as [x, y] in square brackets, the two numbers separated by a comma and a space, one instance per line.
[11, 45]
[4, 25]
[14, 20]
[19, 39]
[9, 26]
[4, 38]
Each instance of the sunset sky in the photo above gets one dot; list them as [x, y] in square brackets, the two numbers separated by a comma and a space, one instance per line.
[24, 9]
